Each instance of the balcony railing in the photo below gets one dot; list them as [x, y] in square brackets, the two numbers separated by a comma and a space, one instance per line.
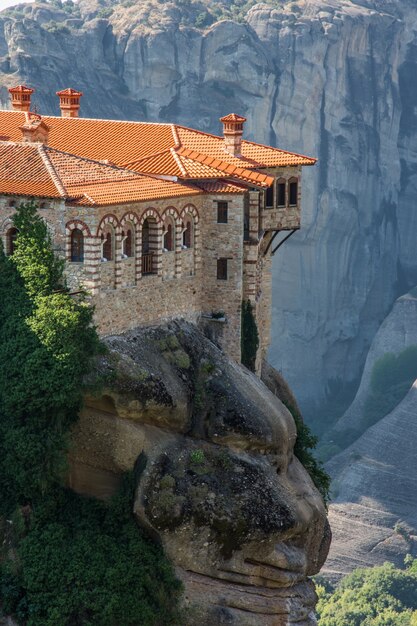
[148, 264]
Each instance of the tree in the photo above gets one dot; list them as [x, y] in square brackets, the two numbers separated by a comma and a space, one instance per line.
[379, 596]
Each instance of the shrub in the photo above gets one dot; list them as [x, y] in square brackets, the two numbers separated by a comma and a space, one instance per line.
[67, 560]
[249, 336]
[379, 596]
[86, 562]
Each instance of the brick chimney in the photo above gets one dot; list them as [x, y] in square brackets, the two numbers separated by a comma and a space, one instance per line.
[69, 102]
[34, 130]
[232, 132]
[20, 97]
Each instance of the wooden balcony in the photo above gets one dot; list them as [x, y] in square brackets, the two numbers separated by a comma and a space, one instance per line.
[148, 264]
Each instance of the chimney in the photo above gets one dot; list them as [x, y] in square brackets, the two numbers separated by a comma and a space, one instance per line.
[232, 133]
[69, 102]
[20, 97]
[34, 130]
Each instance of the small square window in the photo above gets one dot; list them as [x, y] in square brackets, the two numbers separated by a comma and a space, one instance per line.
[221, 269]
[222, 210]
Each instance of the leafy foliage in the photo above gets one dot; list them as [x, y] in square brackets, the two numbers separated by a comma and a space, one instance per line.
[249, 336]
[86, 563]
[304, 447]
[67, 561]
[379, 596]
[46, 344]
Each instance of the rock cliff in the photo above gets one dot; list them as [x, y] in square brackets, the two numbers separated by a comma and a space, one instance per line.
[331, 78]
[218, 482]
[373, 514]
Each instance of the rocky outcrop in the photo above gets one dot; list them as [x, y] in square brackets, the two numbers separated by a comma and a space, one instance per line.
[330, 78]
[373, 513]
[218, 483]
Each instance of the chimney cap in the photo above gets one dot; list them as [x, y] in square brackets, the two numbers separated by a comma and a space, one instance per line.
[69, 92]
[233, 117]
[21, 89]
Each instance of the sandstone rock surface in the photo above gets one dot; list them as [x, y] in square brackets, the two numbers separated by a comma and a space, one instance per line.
[218, 483]
[335, 79]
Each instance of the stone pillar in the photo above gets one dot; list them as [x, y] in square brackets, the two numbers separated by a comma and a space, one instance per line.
[117, 259]
[254, 215]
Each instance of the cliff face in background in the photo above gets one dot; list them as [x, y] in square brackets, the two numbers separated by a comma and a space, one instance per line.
[334, 79]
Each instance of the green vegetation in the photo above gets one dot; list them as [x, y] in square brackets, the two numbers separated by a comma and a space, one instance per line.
[249, 342]
[391, 379]
[304, 447]
[379, 596]
[86, 563]
[64, 560]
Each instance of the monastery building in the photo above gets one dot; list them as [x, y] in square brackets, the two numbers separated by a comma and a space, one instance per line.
[155, 221]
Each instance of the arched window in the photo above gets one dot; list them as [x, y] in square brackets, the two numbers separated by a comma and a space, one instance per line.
[149, 246]
[281, 199]
[43, 205]
[269, 197]
[187, 233]
[293, 199]
[77, 246]
[169, 236]
[128, 243]
[107, 246]
[11, 237]
[12, 203]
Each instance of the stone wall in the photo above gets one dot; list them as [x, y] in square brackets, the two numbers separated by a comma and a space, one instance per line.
[129, 291]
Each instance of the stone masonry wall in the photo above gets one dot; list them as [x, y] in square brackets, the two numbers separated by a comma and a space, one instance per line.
[224, 241]
[182, 282]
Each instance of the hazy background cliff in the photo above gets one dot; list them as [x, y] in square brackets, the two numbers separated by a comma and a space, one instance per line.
[328, 78]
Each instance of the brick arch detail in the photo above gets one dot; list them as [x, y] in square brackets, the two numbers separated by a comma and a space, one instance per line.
[7, 224]
[109, 219]
[172, 212]
[73, 224]
[151, 212]
[191, 210]
[129, 217]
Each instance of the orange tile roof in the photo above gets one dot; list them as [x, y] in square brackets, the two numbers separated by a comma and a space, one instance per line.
[157, 145]
[32, 169]
[221, 186]
[23, 171]
[137, 189]
[233, 117]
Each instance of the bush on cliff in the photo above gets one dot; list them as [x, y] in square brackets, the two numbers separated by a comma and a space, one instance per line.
[378, 596]
[64, 560]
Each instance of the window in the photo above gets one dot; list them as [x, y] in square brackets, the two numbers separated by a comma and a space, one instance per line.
[281, 193]
[107, 246]
[222, 210]
[221, 269]
[11, 240]
[12, 203]
[293, 192]
[168, 238]
[269, 197]
[77, 246]
[186, 234]
[127, 238]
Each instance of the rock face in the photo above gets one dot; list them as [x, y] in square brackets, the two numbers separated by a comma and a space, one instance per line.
[331, 78]
[218, 483]
[373, 515]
